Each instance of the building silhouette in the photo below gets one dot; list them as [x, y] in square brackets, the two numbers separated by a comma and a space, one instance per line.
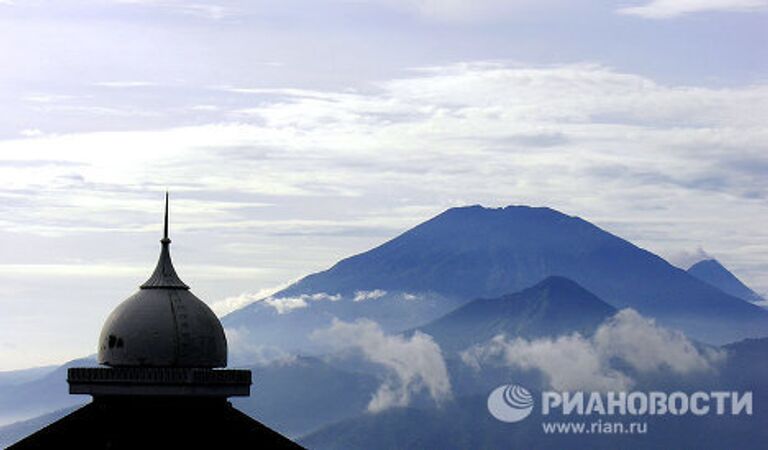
[164, 382]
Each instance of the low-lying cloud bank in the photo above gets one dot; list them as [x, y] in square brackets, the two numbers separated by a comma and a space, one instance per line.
[415, 363]
[574, 362]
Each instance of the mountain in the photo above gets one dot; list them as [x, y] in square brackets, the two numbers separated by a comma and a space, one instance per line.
[553, 307]
[15, 377]
[42, 395]
[475, 252]
[712, 272]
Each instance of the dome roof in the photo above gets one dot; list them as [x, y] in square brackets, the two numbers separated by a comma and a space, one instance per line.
[163, 324]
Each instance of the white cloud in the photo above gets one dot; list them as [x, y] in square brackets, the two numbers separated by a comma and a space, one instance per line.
[126, 84]
[648, 347]
[208, 10]
[46, 98]
[470, 10]
[361, 296]
[685, 258]
[664, 9]
[284, 305]
[227, 305]
[31, 132]
[577, 363]
[415, 363]
[207, 108]
[763, 303]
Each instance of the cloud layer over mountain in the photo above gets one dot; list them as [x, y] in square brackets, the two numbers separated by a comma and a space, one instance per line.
[574, 362]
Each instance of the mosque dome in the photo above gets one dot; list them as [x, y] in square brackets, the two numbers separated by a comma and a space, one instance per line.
[163, 324]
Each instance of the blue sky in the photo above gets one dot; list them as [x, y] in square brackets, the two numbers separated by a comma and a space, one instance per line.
[294, 133]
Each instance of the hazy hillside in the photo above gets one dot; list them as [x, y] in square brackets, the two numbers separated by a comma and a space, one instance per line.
[553, 307]
[45, 394]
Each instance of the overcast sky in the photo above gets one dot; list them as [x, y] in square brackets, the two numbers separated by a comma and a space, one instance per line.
[294, 133]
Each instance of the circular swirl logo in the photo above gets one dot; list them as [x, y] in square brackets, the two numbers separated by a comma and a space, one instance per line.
[510, 403]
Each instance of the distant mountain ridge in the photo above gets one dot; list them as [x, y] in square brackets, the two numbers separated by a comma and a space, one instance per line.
[475, 252]
[553, 307]
[712, 272]
[44, 394]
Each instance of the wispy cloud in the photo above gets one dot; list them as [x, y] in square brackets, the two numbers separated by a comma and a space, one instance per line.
[31, 132]
[685, 259]
[463, 11]
[665, 9]
[126, 84]
[46, 98]
[227, 305]
[763, 304]
[361, 296]
[208, 10]
[284, 305]
[415, 363]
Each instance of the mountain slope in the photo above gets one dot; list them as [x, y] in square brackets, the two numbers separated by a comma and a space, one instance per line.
[712, 272]
[553, 307]
[43, 395]
[475, 252]
[15, 377]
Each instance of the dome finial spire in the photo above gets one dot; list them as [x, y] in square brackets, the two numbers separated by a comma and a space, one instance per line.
[164, 275]
[165, 228]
